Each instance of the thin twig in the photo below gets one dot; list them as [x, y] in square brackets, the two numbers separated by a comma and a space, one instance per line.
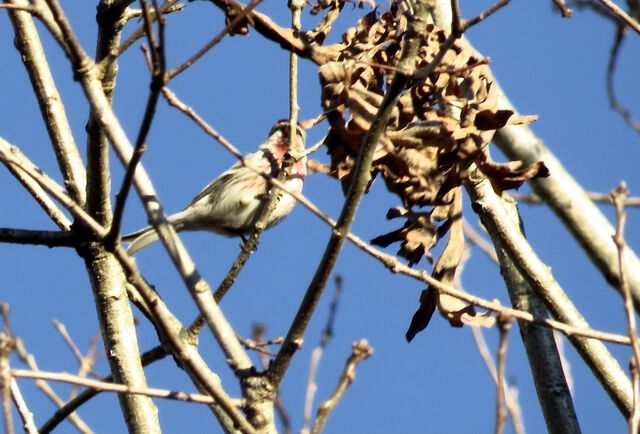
[137, 34]
[67, 339]
[33, 187]
[7, 345]
[611, 68]
[158, 80]
[53, 112]
[360, 351]
[534, 198]
[617, 12]
[618, 196]
[504, 325]
[566, 11]
[310, 150]
[228, 28]
[30, 361]
[137, 13]
[44, 238]
[11, 156]
[113, 387]
[510, 392]
[68, 409]
[312, 387]
[259, 346]
[26, 415]
[477, 239]
[296, 10]
[316, 354]
[90, 359]
[285, 37]
[465, 24]
[85, 362]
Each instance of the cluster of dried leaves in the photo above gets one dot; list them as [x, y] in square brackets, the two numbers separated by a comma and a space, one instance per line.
[440, 127]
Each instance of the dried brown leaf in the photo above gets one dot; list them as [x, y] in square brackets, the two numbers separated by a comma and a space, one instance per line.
[418, 235]
[492, 120]
[420, 320]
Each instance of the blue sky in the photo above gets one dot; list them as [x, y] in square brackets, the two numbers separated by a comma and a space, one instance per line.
[548, 66]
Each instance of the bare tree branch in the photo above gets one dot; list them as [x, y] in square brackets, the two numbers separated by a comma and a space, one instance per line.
[158, 80]
[199, 289]
[504, 325]
[12, 157]
[33, 187]
[67, 410]
[105, 274]
[533, 198]
[510, 397]
[166, 7]
[30, 360]
[50, 102]
[618, 196]
[570, 203]
[228, 29]
[45, 238]
[103, 386]
[611, 68]
[617, 12]
[316, 354]
[360, 351]
[183, 347]
[25, 414]
[546, 367]
[7, 344]
[538, 276]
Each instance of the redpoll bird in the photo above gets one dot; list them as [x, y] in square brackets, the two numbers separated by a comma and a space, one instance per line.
[230, 203]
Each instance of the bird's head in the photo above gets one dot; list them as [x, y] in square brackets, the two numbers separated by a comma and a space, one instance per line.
[280, 131]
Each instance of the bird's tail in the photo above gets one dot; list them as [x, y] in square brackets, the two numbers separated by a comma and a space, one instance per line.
[140, 239]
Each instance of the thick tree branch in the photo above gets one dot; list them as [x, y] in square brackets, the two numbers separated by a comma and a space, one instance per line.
[560, 191]
[183, 347]
[87, 73]
[570, 203]
[605, 368]
[105, 274]
[546, 367]
[50, 102]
